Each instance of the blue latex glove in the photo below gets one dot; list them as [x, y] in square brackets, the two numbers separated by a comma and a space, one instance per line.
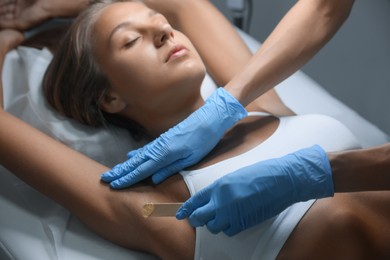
[181, 146]
[255, 193]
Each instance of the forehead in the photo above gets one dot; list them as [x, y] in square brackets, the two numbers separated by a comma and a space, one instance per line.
[114, 14]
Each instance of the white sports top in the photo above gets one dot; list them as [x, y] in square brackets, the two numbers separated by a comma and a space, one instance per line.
[264, 241]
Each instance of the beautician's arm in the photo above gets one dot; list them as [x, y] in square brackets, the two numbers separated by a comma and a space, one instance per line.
[361, 170]
[260, 191]
[304, 30]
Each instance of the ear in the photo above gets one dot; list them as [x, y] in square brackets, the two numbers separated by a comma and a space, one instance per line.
[112, 102]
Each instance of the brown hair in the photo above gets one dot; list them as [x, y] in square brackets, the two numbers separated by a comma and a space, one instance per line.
[74, 84]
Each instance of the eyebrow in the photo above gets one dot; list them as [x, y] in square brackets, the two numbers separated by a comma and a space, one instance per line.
[127, 24]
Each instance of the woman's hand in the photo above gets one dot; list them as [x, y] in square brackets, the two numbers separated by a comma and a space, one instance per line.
[9, 39]
[25, 14]
[22, 14]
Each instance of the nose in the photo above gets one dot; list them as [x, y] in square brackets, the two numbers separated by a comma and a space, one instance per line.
[164, 32]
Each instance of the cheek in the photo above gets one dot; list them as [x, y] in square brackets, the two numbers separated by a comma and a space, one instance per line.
[141, 66]
[130, 74]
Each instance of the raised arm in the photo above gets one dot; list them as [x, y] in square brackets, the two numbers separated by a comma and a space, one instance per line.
[47, 165]
[22, 152]
[73, 180]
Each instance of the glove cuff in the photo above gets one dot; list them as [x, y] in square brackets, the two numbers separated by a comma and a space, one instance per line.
[229, 108]
[327, 169]
[315, 174]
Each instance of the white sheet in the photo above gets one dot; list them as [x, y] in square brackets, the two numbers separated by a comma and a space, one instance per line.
[34, 227]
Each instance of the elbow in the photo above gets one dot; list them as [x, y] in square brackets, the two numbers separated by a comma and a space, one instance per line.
[345, 8]
[337, 11]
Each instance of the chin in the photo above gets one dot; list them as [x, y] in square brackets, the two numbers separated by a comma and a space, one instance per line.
[194, 69]
[191, 72]
[196, 78]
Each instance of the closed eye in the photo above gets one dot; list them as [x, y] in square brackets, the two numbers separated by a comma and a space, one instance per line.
[130, 44]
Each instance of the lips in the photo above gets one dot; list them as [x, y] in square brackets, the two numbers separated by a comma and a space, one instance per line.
[176, 51]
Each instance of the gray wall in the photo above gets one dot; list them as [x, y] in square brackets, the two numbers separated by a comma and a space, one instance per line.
[355, 65]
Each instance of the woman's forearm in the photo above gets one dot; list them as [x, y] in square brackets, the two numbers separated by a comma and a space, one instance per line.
[73, 180]
[60, 8]
[361, 170]
[46, 164]
[304, 30]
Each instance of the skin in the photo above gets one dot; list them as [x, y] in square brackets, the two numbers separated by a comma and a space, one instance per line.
[114, 215]
[368, 168]
[10, 39]
[346, 166]
[168, 238]
[92, 201]
[184, 15]
[284, 52]
[278, 57]
[148, 40]
[24, 14]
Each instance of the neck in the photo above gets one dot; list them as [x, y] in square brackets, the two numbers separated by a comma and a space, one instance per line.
[163, 122]
[159, 120]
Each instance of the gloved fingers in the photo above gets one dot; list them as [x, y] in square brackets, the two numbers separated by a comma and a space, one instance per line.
[242, 223]
[237, 221]
[218, 224]
[162, 174]
[125, 168]
[202, 215]
[137, 157]
[140, 173]
[134, 152]
[232, 230]
[200, 199]
[117, 172]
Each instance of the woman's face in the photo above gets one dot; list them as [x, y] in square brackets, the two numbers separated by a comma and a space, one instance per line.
[148, 64]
